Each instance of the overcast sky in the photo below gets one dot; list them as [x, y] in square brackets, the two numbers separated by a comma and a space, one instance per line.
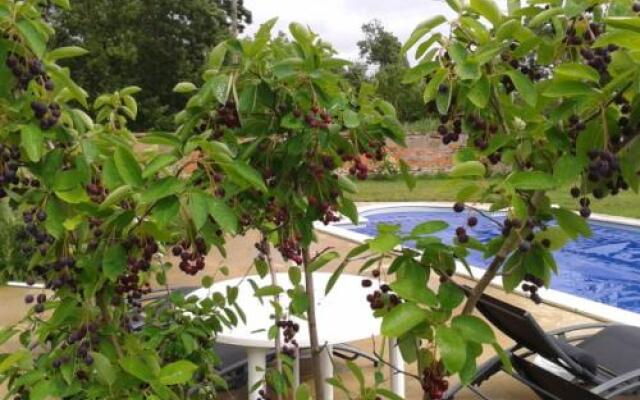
[339, 21]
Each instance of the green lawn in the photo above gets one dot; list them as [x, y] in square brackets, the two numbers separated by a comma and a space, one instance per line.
[444, 189]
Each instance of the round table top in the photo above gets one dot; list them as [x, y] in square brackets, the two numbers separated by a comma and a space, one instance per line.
[343, 315]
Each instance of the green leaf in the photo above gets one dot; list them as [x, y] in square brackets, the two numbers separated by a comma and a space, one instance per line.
[351, 119]
[104, 369]
[160, 189]
[468, 169]
[422, 29]
[323, 260]
[480, 92]
[159, 162]
[177, 373]
[246, 173]
[473, 329]
[413, 287]
[429, 227]
[573, 224]
[567, 169]
[66, 52]
[505, 357]
[488, 9]
[114, 262]
[13, 359]
[565, 88]
[557, 236]
[270, 290]
[401, 319]
[138, 367]
[116, 197]
[452, 348]
[384, 243]
[185, 87]
[544, 16]
[36, 40]
[199, 206]
[303, 392]
[350, 210]
[128, 167]
[531, 180]
[223, 215]
[524, 86]
[219, 86]
[32, 140]
[627, 23]
[450, 296]
[576, 71]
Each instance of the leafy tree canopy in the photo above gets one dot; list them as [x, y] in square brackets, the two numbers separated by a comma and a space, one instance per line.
[380, 47]
[148, 43]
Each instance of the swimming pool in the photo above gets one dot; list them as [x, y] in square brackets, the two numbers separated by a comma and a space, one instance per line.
[604, 268]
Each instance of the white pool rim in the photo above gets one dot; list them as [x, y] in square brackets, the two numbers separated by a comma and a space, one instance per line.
[569, 302]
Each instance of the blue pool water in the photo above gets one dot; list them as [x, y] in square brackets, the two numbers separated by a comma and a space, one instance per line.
[603, 268]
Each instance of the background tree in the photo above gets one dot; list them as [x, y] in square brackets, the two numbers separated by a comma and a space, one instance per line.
[148, 43]
[382, 51]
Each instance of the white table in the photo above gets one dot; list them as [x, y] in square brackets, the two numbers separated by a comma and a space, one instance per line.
[343, 316]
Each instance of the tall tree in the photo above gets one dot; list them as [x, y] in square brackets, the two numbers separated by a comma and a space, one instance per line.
[381, 50]
[380, 47]
[149, 43]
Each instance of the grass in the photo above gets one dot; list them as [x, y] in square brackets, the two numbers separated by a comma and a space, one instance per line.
[422, 126]
[445, 189]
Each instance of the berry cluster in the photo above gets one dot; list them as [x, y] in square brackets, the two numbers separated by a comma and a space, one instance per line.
[381, 298]
[450, 132]
[228, 115]
[47, 114]
[376, 151]
[78, 346]
[434, 382]
[129, 285]
[9, 163]
[359, 169]
[328, 213]
[289, 329]
[97, 193]
[34, 229]
[291, 250]
[192, 261]
[532, 287]
[39, 299]
[575, 127]
[316, 118]
[25, 70]
[276, 213]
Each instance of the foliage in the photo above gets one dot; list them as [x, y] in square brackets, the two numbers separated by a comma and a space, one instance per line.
[548, 94]
[13, 263]
[284, 109]
[267, 131]
[148, 43]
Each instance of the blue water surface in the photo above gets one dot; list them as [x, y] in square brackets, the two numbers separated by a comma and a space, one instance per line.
[603, 268]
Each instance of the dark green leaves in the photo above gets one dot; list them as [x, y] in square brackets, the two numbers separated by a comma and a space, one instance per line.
[534, 180]
[573, 224]
[488, 9]
[223, 215]
[524, 86]
[473, 329]
[114, 261]
[128, 167]
[421, 30]
[468, 169]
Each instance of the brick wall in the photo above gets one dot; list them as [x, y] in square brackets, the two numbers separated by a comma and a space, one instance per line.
[426, 153]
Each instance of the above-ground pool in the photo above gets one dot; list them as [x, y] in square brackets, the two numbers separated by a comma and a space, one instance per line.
[603, 268]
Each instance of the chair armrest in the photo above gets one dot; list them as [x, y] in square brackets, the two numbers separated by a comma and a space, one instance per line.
[619, 385]
[580, 327]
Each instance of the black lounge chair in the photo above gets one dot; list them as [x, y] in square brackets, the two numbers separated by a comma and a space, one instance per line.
[595, 354]
[233, 366]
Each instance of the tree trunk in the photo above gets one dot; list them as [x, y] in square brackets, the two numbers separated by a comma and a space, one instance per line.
[234, 18]
[313, 328]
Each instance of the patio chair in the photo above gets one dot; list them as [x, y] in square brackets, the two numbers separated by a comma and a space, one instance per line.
[550, 386]
[233, 366]
[593, 357]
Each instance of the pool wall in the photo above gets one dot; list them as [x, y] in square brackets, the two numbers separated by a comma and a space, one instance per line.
[580, 305]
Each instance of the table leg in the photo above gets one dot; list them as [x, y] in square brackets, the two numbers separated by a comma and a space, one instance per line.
[296, 370]
[256, 366]
[327, 371]
[397, 368]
